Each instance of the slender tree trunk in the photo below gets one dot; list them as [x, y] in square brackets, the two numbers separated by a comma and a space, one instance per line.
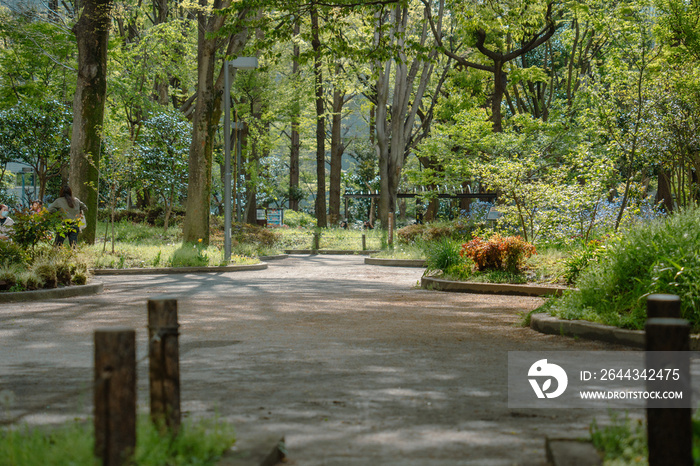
[336, 154]
[320, 205]
[295, 141]
[92, 34]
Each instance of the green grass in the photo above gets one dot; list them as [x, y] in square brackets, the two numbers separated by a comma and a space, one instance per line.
[199, 443]
[662, 256]
[331, 238]
[402, 251]
[142, 246]
[624, 440]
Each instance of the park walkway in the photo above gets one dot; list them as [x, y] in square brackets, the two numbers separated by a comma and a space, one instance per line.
[352, 363]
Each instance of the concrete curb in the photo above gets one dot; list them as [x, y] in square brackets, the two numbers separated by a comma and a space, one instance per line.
[430, 283]
[571, 452]
[174, 270]
[330, 252]
[395, 262]
[273, 258]
[544, 323]
[53, 293]
[255, 451]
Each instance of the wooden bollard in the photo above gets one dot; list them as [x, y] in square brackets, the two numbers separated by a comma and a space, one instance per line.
[316, 241]
[115, 395]
[164, 364]
[390, 241]
[669, 429]
[663, 305]
[364, 242]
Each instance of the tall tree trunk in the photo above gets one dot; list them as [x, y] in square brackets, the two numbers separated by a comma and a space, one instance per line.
[92, 34]
[337, 150]
[321, 219]
[205, 118]
[295, 141]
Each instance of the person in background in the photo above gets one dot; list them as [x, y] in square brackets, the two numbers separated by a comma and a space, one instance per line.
[5, 222]
[36, 206]
[72, 209]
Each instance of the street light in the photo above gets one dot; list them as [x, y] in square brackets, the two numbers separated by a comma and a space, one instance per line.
[243, 63]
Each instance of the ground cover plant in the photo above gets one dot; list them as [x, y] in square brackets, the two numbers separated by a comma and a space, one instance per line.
[662, 256]
[624, 441]
[199, 443]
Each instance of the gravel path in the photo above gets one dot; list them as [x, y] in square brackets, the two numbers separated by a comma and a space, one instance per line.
[352, 363]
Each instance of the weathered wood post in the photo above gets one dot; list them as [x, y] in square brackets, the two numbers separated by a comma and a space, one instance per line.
[164, 364]
[364, 242]
[316, 241]
[390, 240]
[115, 395]
[669, 428]
[663, 305]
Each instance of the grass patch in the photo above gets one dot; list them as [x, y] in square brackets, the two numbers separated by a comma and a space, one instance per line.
[331, 238]
[199, 443]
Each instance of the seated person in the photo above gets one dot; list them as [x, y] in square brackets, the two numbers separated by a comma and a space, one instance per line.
[5, 222]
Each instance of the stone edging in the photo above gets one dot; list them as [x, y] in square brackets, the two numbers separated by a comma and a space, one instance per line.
[52, 293]
[273, 258]
[329, 252]
[395, 262]
[430, 283]
[544, 323]
[174, 270]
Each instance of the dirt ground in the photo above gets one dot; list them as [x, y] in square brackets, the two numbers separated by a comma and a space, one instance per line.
[352, 363]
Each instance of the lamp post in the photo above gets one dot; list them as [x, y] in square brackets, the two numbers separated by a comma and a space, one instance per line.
[243, 63]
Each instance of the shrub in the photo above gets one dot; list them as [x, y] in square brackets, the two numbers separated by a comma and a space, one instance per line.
[47, 271]
[410, 233]
[247, 233]
[579, 260]
[295, 219]
[498, 253]
[442, 255]
[30, 229]
[659, 257]
[12, 253]
[189, 255]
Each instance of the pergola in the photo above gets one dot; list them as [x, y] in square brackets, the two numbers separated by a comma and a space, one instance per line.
[482, 196]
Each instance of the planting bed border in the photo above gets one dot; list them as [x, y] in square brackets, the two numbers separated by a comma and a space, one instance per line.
[51, 293]
[174, 270]
[395, 262]
[330, 252]
[431, 283]
[544, 323]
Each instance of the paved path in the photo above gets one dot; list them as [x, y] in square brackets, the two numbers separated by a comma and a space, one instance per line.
[352, 363]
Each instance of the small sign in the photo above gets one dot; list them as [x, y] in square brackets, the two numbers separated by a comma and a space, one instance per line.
[260, 214]
[493, 214]
[275, 217]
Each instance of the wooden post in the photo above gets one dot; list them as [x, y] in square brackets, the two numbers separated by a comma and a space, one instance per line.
[390, 241]
[669, 429]
[663, 305]
[364, 242]
[317, 241]
[164, 364]
[115, 395]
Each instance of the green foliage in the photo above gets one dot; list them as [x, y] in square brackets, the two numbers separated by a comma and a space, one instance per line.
[582, 258]
[247, 233]
[623, 441]
[190, 255]
[498, 253]
[457, 230]
[12, 253]
[660, 257]
[295, 219]
[30, 229]
[442, 255]
[199, 443]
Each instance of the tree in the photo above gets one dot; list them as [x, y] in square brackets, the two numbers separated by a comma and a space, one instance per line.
[163, 151]
[92, 33]
[36, 135]
[211, 20]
